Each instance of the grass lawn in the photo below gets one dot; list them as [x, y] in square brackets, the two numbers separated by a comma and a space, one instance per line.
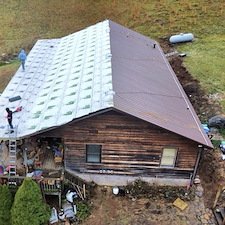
[22, 23]
[205, 60]
[6, 73]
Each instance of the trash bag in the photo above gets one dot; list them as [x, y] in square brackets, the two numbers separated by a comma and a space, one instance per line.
[206, 128]
[54, 216]
[69, 210]
[217, 121]
[222, 146]
[70, 195]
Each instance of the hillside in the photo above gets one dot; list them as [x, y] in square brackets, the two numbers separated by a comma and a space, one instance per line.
[22, 23]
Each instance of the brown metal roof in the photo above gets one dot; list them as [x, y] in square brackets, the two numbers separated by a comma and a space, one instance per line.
[146, 86]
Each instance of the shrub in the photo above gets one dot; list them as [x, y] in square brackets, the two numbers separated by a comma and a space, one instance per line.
[28, 207]
[5, 206]
[83, 211]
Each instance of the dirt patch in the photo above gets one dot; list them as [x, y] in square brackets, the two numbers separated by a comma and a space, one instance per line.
[211, 172]
[140, 204]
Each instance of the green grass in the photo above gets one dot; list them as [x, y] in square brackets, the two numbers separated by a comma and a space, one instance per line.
[205, 60]
[22, 23]
[6, 72]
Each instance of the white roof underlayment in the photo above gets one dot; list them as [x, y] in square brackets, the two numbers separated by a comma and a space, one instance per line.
[64, 79]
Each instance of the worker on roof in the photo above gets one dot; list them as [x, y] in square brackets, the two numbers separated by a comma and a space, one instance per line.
[9, 117]
[22, 57]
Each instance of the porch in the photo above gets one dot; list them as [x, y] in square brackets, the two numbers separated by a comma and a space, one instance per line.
[33, 154]
[41, 160]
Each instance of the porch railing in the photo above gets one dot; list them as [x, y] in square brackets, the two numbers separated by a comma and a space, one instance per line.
[82, 187]
[49, 185]
[52, 186]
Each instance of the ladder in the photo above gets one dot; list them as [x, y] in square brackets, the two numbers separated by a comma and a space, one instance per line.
[12, 151]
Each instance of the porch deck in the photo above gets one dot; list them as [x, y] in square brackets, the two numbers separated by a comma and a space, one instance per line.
[30, 159]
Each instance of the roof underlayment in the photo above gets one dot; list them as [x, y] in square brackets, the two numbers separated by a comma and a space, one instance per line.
[64, 79]
[105, 65]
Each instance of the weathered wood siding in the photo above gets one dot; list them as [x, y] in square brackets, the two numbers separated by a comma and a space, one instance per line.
[129, 146]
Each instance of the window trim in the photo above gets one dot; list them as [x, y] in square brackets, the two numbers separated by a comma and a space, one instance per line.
[174, 157]
[99, 154]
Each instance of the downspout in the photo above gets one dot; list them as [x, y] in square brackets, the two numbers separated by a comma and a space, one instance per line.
[196, 164]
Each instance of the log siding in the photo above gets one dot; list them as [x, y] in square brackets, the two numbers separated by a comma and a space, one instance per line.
[128, 146]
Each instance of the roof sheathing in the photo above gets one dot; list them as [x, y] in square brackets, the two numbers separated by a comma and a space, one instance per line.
[146, 87]
[65, 78]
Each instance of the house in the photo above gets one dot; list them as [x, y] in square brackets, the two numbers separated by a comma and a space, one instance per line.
[111, 96]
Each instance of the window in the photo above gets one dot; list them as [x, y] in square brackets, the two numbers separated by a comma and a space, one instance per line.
[93, 153]
[168, 157]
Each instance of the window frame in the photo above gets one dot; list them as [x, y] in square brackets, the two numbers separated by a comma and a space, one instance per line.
[98, 154]
[169, 157]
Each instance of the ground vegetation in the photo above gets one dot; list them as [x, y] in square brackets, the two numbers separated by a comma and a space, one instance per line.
[5, 206]
[28, 206]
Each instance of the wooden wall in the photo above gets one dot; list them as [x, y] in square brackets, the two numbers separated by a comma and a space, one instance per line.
[129, 146]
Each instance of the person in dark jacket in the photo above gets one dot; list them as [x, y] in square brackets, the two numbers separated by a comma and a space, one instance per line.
[9, 117]
[22, 57]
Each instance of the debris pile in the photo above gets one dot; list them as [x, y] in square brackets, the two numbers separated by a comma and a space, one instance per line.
[73, 210]
[141, 189]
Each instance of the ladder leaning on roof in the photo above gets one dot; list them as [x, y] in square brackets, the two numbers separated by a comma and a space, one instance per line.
[12, 151]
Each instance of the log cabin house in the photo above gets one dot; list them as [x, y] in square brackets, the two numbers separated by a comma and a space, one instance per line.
[112, 99]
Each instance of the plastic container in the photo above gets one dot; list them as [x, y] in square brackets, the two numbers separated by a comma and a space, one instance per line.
[206, 128]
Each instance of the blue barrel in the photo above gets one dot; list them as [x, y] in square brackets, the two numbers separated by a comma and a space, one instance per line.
[181, 38]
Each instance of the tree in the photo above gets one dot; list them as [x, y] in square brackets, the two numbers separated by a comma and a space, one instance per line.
[5, 205]
[28, 207]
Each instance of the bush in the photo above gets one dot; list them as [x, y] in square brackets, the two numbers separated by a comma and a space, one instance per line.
[5, 206]
[83, 211]
[28, 207]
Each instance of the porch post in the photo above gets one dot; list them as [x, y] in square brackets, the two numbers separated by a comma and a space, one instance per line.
[196, 164]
